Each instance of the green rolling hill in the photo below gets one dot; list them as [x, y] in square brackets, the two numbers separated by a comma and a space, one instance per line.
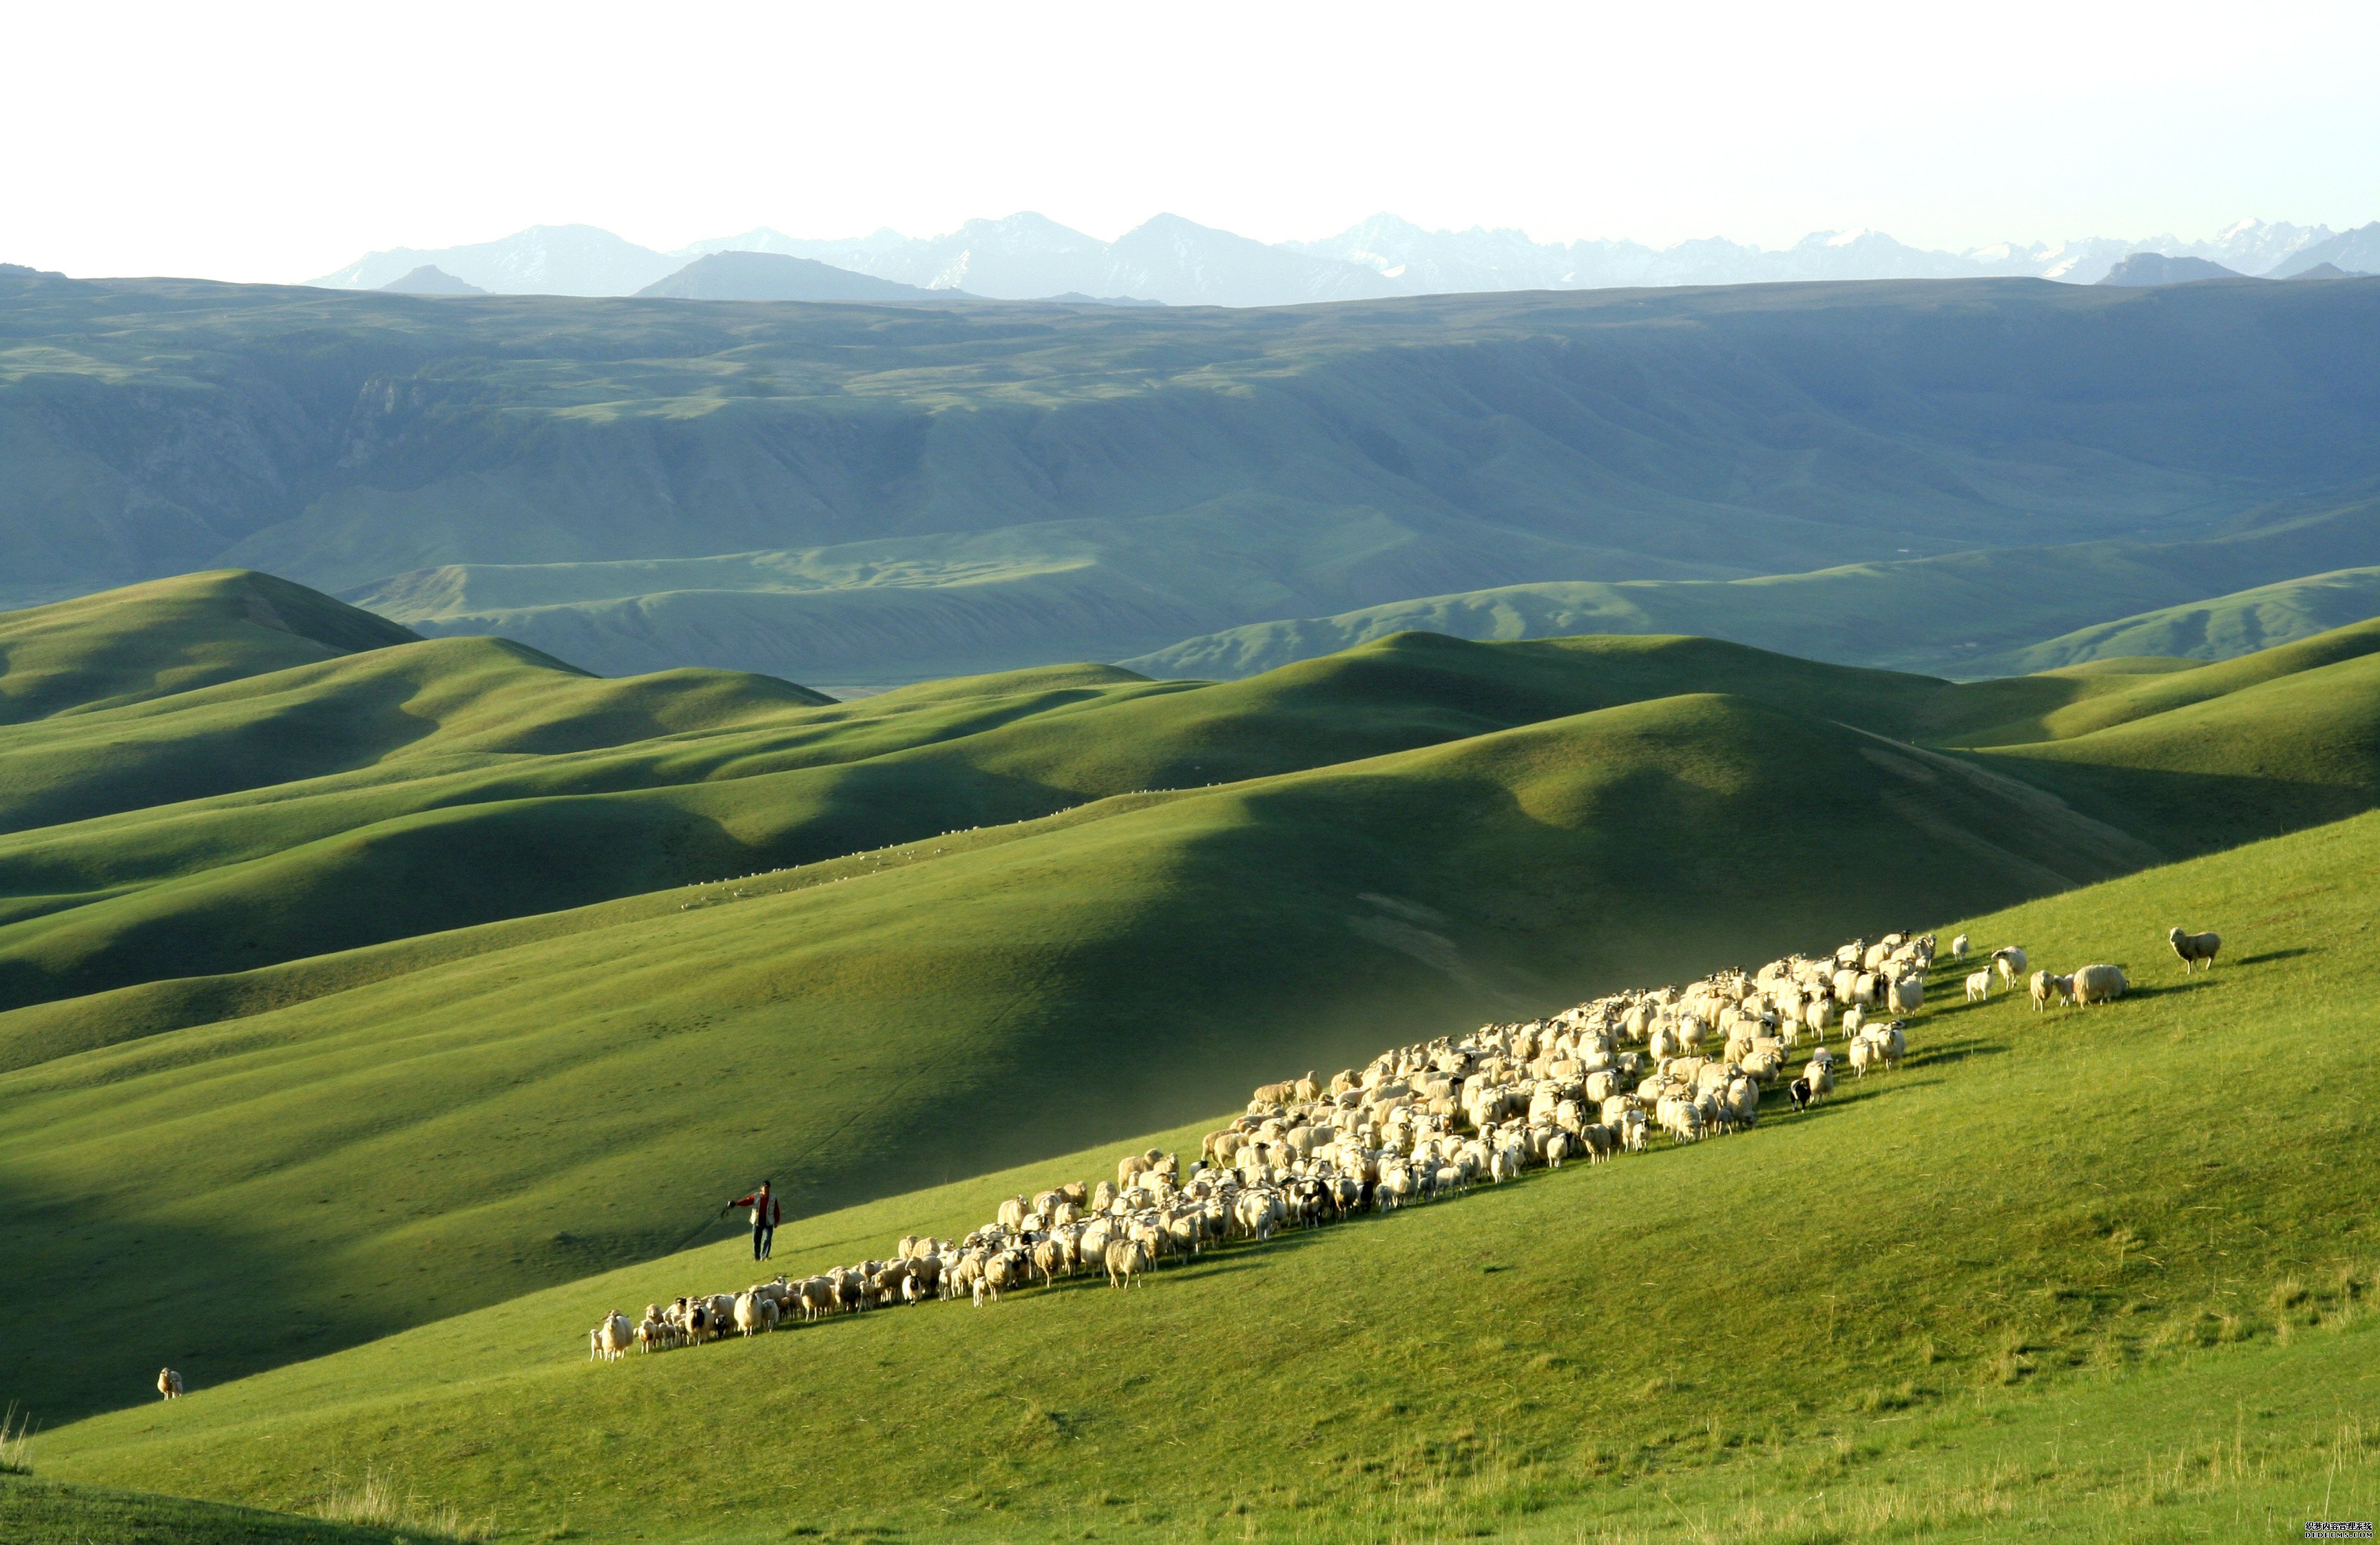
[2060, 1276]
[848, 494]
[2240, 622]
[1971, 614]
[432, 973]
[176, 635]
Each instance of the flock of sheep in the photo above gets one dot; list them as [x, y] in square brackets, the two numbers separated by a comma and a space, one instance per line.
[1417, 1123]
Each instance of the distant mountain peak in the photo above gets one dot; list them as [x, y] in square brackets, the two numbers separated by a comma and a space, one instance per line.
[429, 279]
[780, 276]
[1176, 261]
[2142, 270]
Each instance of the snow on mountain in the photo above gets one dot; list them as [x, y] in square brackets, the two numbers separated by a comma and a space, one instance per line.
[543, 260]
[1178, 261]
[1183, 263]
[2356, 251]
[2255, 245]
[1448, 262]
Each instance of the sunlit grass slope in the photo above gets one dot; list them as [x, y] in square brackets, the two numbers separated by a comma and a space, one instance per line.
[434, 1140]
[443, 784]
[172, 636]
[387, 1028]
[2240, 623]
[1968, 614]
[2094, 1275]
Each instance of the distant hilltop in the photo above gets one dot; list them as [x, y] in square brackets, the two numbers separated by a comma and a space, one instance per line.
[1176, 261]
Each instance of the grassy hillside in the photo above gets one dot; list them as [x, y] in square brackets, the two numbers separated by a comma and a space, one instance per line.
[1967, 614]
[390, 964]
[428, 1140]
[174, 636]
[410, 791]
[2238, 624]
[855, 493]
[2060, 1275]
[42, 1513]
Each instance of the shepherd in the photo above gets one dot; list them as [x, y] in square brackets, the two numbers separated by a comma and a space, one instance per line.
[763, 1203]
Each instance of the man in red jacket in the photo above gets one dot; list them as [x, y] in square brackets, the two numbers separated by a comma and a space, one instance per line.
[763, 1203]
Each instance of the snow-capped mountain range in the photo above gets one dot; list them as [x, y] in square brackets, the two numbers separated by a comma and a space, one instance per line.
[1180, 262]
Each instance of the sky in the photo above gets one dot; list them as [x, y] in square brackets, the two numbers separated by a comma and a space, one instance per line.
[278, 142]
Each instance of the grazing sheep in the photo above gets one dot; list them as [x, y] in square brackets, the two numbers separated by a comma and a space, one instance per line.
[1865, 1054]
[1127, 1260]
[2099, 983]
[2009, 960]
[755, 1314]
[2046, 986]
[1419, 1121]
[2195, 948]
[1979, 987]
[169, 1383]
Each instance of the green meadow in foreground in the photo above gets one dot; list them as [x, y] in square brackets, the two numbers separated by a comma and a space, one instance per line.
[2102, 1274]
[403, 982]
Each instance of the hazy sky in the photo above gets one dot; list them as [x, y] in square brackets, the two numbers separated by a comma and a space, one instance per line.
[277, 143]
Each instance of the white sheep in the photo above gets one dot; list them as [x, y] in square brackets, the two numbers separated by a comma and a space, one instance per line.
[1127, 1260]
[2046, 986]
[1959, 947]
[1979, 985]
[2195, 948]
[2100, 983]
[169, 1383]
[2009, 960]
[1865, 1054]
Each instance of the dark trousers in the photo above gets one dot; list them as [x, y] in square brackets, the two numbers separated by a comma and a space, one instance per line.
[763, 1234]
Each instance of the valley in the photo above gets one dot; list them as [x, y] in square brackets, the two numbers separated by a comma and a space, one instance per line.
[860, 496]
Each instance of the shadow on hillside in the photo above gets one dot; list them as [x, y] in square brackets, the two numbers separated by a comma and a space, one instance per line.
[2259, 959]
[54, 1248]
[2166, 989]
[2185, 813]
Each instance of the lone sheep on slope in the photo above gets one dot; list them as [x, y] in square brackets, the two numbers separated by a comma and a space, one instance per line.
[1959, 947]
[2195, 948]
[169, 1383]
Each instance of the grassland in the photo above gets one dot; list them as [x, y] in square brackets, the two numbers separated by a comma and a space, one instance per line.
[2003, 611]
[842, 494]
[2240, 622]
[421, 976]
[2093, 1275]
